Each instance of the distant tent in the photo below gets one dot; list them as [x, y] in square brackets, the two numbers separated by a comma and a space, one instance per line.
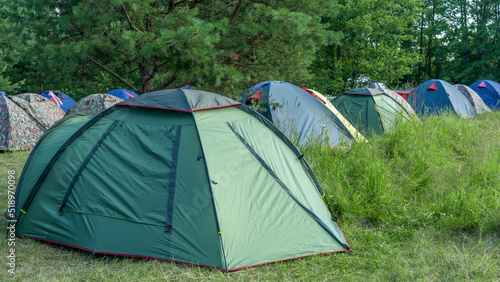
[298, 114]
[123, 94]
[404, 93]
[20, 125]
[61, 99]
[48, 111]
[398, 98]
[330, 106]
[179, 175]
[436, 96]
[489, 91]
[473, 98]
[370, 110]
[94, 104]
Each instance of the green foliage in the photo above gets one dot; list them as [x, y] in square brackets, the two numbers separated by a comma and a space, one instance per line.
[215, 45]
[368, 43]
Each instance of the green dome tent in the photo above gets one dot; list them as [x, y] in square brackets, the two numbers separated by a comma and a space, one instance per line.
[181, 175]
[370, 110]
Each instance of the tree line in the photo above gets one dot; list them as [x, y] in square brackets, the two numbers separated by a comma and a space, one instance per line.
[93, 46]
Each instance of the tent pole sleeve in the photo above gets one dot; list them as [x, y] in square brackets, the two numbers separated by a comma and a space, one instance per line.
[85, 162]
[173, 179]
[58, 154]
[34, 150]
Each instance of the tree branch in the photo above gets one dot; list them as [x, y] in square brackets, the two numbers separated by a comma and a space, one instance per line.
[236, 10]
[180, 84]
[195, 2]
[166, 83]
[129, 20]
[112, 73]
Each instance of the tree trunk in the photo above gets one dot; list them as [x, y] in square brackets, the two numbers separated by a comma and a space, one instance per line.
[147, 77]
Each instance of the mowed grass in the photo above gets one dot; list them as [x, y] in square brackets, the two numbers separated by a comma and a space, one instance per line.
[420, 203]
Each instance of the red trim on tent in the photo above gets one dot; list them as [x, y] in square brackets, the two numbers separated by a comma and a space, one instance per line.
[255, 95]
[116, 254]
[432, 87]
[403, 93]
[175, 261]
[481, 85]
[312, 93]
[324, 253]
[187, 111]
[129, 95]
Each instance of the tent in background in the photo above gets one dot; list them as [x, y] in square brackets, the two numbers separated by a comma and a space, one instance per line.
[398, 98]
[94, 104]
[370, 110]
[60, 98]
[330, 106]
[20, 125]
[489, 91]
[437, 96]
[298, 114]
[123, 94]
[244, 195]
[473, 98]
[48, 111]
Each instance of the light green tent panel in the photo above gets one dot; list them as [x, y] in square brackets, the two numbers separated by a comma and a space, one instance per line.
[267, 215]
[390, 111]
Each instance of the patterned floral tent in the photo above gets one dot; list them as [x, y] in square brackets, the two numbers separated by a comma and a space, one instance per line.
[48, 111]
[20, 125]
[473, 98]
[94, 104]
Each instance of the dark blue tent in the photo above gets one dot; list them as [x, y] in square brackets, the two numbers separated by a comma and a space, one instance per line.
[63, 100]
[298, 114]
[122, 93]
[489, 91]
[436, 96]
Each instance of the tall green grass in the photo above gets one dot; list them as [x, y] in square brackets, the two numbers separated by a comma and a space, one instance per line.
[443, 171]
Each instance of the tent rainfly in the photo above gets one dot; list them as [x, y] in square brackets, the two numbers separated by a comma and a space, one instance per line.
[180, 175]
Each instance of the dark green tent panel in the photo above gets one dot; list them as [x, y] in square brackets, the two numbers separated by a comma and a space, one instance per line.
[370, 110]
[181, 175]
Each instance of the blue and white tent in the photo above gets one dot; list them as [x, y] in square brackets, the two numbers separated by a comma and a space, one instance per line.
[437, 96]
[298, 114]
[489, 91]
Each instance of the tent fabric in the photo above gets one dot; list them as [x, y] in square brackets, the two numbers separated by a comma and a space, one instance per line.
[330, 106]
[123, 94]
[401, 99]
[49, 112]
[178, 101]
[299, 115]
[66, 101]
[446, 98]
[473, 98]
[370, 110]
[219, 187]
[489, 91]
[94, 104]
[20, 127]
